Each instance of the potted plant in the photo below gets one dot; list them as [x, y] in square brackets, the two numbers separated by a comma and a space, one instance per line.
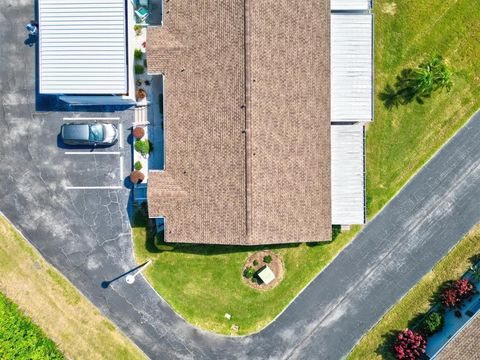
[138, 132]
[141, 94]
[136, 177]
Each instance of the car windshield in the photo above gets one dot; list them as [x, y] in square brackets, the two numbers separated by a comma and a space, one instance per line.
[96, 133]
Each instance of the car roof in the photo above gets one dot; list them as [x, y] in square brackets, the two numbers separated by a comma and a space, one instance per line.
[76, 131]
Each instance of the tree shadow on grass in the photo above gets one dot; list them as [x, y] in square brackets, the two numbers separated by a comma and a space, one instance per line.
[401, 93]
[475, 259]
[384, 349]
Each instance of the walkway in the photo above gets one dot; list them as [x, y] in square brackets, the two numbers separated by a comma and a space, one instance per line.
[86, 235]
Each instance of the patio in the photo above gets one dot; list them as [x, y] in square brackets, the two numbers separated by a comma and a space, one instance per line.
[149, 12]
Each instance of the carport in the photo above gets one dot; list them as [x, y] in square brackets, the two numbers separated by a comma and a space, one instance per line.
[83, 54]
[348, 174]
[351, 67]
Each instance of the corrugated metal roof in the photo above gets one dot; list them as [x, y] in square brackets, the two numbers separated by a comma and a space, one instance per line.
[352, 67]
[350, 4]
[348, 178]
[82, 47]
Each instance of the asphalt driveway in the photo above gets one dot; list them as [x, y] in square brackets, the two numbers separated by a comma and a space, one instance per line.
[86, 233]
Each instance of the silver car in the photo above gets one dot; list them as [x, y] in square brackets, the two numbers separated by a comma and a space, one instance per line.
[89, 134]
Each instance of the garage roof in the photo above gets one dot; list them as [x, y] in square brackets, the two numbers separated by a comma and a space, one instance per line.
[82, 47]
[352, 67]
[350, 4]
[348, 179]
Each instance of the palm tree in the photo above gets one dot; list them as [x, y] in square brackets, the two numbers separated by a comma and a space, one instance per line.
[427, 78]
[431, 76]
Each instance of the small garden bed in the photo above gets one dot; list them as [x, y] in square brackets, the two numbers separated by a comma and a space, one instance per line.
[259, 261]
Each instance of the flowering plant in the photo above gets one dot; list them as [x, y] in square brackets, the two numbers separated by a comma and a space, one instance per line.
[456, 292]
[409, 345]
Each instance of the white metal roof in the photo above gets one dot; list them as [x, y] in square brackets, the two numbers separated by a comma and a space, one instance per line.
[348, 177]
[82, 47]
[350, 4]
[351, 67]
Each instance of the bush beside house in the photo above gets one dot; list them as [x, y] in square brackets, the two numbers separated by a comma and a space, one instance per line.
[456, 292]
[409, 345]
[432, 323]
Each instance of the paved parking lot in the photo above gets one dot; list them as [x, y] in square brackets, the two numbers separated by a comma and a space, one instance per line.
[85, 232]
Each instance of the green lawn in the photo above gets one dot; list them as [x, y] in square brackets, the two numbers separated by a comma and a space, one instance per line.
[401, 140]
[202, 283]
[375, 345]
[20, 338]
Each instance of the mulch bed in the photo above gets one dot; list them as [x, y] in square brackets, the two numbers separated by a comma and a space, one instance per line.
[276, 265]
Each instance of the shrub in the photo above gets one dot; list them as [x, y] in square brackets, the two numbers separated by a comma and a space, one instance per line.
[136, 177]
[432, 323]
[267, 259]
[138, 54]
[255, 262]
[249, 272]
[20, 338]
[139, 69]
[143, 147]
[456, 292]
[409, 345]
[138, 29]
[138, 165]
[138, 132]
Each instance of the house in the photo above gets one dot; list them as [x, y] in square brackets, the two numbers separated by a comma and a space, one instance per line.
[264, 105]
[83, 53]
[463, 345]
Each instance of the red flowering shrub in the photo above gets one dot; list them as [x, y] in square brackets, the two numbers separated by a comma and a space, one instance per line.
[409, 345]
[456, 292]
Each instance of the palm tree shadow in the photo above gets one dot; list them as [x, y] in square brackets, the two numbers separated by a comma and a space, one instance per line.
[401, 93]
[389, 97]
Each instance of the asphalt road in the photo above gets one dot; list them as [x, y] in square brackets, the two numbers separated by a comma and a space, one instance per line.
[86, 233]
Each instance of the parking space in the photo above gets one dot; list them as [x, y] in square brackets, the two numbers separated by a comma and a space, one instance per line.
[89, 169]
[97, 168]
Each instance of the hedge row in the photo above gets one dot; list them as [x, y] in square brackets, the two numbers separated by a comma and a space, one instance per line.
[20, 338]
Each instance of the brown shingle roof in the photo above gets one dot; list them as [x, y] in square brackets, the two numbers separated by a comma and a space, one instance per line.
[247, 121]
[466, 345]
